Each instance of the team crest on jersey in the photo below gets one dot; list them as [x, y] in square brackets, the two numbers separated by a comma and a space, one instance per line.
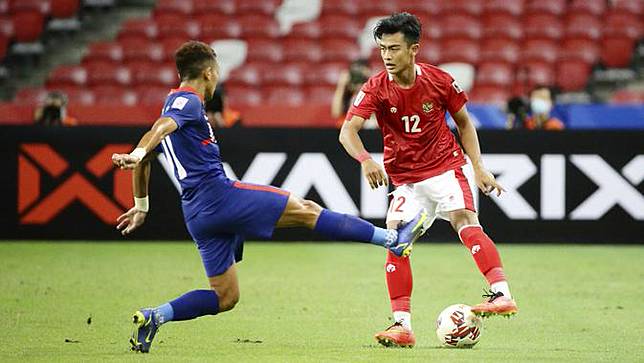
[427, 106]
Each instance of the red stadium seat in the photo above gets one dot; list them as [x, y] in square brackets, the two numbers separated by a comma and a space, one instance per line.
[64, 8]
[371, 9]
[249, 74]
[495, 74]
[472, 7]
[174, 25]
[30, 96]
[489, 94]
[540, 50]
[583, 26]
[340, 26]
[512, 8]
[6, 26]
[264, 50]
[617, 52]
[4, 45]
[595, 8]
[157, 75]
[542, 26]
[67, 75]
[152, 95]
[532, 73]
[106, 73]
[284, 96]
[173, 7]
[226, 7]
[580, 49]
[554, 7]
[572, 75]
[460, 50]
[320, 95]
[302, 50]
[104, 51]
[219, 26]
[27, 25]
[325, 74]
[76, 95]
[502, 26]
[264, 7]
[141, 49]
[41, 6]
[339, 50]
[459, 26]
[138, 28]
[244, 96]
[170, 46]
[113, 95]
[629, 6]
[427, 7]
[500, 49]
[619, 24]
[430, 52]
[307, 30]
[289, 74]
[340, 7]
[258, 26]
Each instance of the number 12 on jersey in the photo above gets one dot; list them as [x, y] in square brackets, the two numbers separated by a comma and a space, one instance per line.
[411, 124]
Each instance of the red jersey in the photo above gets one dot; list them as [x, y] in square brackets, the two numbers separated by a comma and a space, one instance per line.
[418, 144]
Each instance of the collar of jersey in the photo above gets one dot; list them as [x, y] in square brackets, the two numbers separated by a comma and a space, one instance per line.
[419, 72]
[187, 89]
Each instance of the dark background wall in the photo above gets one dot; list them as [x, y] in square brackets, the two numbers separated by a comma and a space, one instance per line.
[573, 186]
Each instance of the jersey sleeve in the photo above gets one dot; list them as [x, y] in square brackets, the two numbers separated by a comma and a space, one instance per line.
[455, 96]
[364, 103]
[184, 109]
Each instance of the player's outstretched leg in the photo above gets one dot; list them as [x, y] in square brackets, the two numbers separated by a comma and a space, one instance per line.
[222, 297]
[399, 284]
[499, 301]
[344, 227]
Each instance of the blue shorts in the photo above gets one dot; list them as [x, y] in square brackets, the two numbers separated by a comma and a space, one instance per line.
[242, 210]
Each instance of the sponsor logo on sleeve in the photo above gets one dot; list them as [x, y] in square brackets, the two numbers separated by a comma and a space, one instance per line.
[179, 103]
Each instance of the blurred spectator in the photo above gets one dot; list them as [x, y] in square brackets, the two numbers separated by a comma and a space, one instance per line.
[53, 111]
[348, 85]
[536, 114]
[218, 115]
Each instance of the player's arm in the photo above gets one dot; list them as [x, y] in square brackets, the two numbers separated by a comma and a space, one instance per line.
[352, 143]
[470, 141]
[161, 128]
[139, 161]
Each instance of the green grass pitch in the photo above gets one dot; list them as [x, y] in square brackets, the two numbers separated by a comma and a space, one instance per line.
[312, 302]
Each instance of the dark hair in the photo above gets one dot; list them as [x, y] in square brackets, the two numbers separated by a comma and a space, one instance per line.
[57, 95]
[192, 57]
[405, 23]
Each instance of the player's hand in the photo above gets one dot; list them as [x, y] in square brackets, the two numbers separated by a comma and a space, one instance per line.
[486, 182]
[125, 161]
[130, 220]
[374, 174]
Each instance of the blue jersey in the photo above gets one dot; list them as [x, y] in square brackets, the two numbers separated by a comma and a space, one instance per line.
[192, 150]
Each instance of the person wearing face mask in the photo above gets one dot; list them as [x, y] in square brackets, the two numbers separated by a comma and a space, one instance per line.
[540, 106]
[53, 112]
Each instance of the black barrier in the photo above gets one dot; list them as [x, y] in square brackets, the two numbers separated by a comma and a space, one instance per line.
[581, 187]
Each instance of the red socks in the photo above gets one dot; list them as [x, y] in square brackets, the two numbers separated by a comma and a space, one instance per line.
[399, 282]
[484, 252]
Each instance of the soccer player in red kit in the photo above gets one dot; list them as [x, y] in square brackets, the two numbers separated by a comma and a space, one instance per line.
[424, 162]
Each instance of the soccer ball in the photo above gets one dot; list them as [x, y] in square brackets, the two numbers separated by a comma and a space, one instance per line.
[458, 327]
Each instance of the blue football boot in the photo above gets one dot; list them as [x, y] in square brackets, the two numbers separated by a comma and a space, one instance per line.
[145, 328]
[408, 233]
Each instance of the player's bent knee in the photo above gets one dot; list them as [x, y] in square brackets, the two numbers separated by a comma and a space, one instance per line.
[463, 217]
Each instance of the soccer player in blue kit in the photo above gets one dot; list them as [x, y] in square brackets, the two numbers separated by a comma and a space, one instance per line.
[219, 213]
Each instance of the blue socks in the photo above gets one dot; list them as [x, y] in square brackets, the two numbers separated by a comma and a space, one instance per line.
[188, 306]
[343, 227]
